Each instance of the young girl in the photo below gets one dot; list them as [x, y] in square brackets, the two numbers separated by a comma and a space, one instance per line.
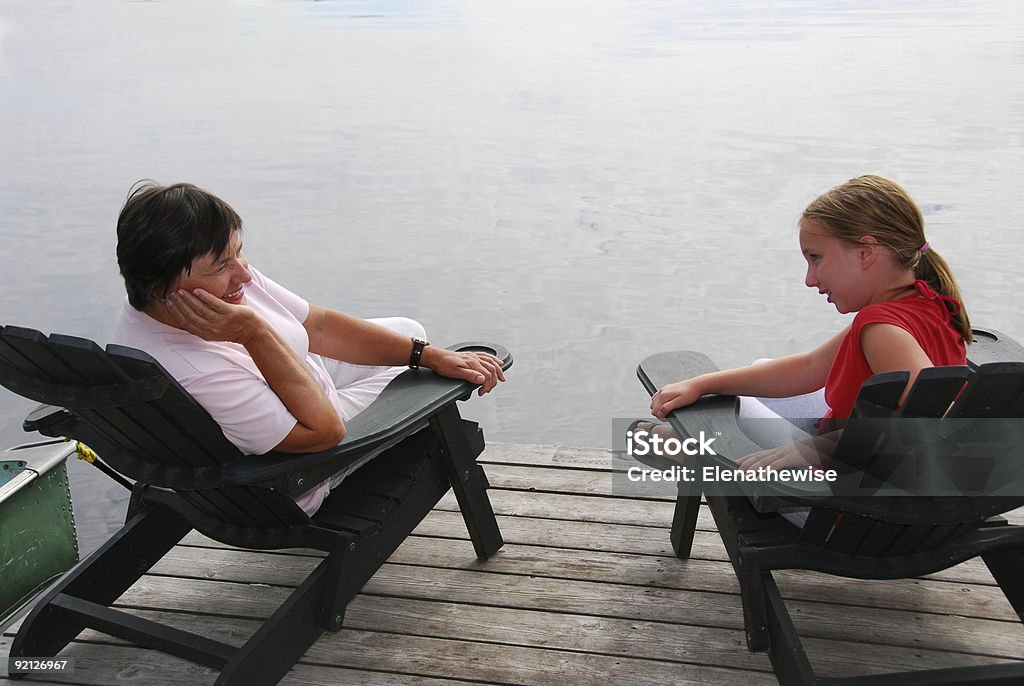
[866, 252]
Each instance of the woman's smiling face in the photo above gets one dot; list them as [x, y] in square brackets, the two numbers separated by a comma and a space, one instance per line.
[222, 275]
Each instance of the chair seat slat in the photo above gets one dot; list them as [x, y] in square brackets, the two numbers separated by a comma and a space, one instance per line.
[848, 533]
[910, 540]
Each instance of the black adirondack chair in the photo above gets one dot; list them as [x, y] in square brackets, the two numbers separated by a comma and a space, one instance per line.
[876, 536]
[187, 475]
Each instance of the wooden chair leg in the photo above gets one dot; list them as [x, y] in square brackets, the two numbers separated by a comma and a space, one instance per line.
[684, 521]
[101, 578]
[1007, 568]
[753, 593]
[467, 482]
[785, 648]
[337, 590]
[283, 639]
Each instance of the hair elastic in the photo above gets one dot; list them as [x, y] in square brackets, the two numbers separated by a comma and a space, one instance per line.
[924, 248]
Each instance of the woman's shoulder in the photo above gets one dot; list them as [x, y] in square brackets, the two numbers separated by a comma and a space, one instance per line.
[270, 296]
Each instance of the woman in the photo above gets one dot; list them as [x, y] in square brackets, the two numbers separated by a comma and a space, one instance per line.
[276, 372]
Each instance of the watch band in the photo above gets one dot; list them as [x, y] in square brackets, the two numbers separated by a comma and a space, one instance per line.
[418, 344]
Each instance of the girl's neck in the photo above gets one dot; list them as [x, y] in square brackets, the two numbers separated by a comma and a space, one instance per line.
[898, 292]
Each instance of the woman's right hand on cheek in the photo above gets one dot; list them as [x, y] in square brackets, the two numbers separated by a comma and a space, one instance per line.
[674, 396]
[207, 316]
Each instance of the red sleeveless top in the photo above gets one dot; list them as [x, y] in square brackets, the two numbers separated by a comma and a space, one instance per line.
[923, 315]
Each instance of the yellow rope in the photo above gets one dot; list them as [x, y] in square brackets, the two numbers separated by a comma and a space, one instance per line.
[84, 452]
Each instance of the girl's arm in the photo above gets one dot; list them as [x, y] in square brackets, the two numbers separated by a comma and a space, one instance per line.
[889, 348]
[779, 378]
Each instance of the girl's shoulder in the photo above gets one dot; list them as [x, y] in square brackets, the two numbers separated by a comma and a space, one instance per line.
[908, 313]
[883, 309]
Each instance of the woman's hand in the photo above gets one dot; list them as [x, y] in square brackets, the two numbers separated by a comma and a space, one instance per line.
[475, 367]
[207, 316]
[674, 396]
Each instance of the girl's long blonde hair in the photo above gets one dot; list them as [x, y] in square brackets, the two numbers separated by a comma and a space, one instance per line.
[876, 206]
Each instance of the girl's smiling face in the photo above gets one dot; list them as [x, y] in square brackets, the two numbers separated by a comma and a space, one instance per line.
[835, 268]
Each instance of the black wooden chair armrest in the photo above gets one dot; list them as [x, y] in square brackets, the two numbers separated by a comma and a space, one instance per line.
[404, 407]
[716, 416]
[44, 418]
[993, 346]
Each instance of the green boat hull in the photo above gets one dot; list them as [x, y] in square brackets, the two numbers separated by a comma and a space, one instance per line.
[37, 524]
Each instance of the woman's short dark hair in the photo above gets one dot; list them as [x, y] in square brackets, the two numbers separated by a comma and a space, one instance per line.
[161, 229]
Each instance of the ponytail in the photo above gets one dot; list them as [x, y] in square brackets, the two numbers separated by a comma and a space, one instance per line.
[934, 270]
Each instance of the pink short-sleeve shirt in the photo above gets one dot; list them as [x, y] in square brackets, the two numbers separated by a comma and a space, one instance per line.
[222, 376]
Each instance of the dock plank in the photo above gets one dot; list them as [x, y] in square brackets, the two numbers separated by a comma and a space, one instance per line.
[574, 596]
[917, 595]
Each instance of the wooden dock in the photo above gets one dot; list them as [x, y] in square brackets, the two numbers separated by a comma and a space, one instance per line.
[586, 590]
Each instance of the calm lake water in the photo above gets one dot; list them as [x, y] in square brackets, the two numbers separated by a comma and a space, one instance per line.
[583, 182]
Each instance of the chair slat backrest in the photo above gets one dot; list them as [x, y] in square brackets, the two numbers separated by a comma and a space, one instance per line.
[996, 389]
[935, 390]
[880, 394]
[27, 350]
[944, 394]
[174, 423]
[128, 425]
[166, 425]
[933, 393]
[139, 419]
[879, 397]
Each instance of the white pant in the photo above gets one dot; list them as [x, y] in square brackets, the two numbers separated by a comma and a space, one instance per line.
[359, 385]
[771, 422]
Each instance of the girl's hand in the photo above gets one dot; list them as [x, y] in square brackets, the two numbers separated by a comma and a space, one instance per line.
[207, 316]
[815, 452]
[673, 396]
[801, 454]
